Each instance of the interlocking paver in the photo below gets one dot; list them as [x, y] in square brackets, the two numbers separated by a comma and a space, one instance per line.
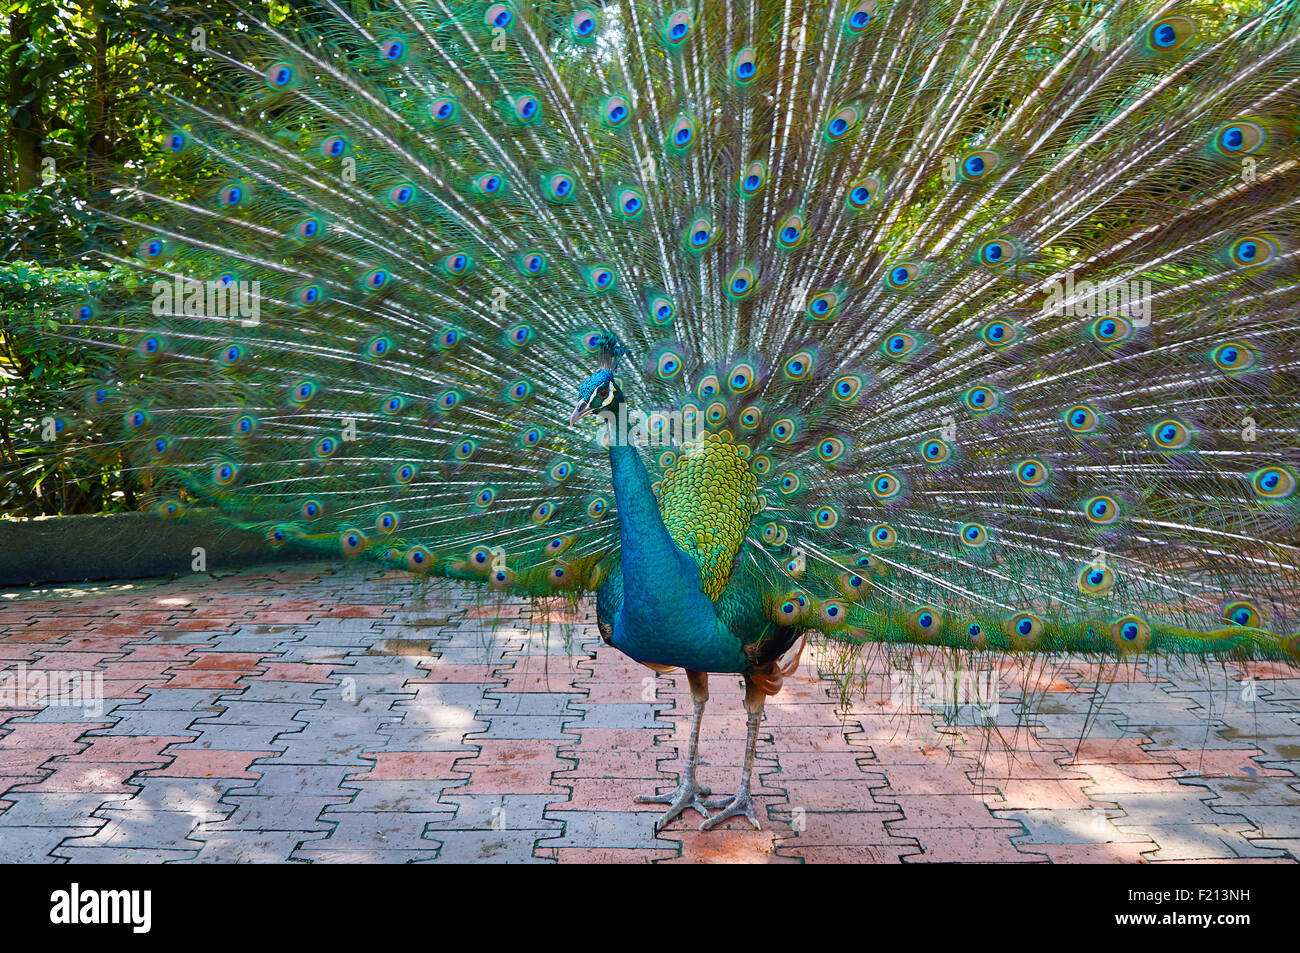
[56, 809]
[347, 715]
[253, 847]
[34, 845]
[419, 795]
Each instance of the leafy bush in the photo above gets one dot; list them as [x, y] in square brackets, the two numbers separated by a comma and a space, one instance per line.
[41, 377]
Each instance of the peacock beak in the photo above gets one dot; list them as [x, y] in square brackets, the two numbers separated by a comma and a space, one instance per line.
[582, 410]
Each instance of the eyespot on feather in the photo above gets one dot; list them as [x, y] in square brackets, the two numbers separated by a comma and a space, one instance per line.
[924, 624]
[1170, 34]
[1024, 629]
[978, 164]
[1130, 635]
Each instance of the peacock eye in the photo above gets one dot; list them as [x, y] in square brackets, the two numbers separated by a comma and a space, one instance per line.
[603, 392]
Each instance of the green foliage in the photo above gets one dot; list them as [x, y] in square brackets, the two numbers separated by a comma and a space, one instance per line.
[80, 80]
[37, 386]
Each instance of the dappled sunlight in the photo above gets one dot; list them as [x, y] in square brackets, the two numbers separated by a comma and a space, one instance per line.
[68, 591]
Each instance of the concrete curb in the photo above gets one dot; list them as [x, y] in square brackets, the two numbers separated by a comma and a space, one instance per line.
[127, 546]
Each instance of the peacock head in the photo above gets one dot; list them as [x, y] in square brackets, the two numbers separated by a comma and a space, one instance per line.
[598, 394]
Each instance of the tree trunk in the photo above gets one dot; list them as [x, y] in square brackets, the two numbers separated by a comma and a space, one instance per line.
[23, 99]
[98, 140]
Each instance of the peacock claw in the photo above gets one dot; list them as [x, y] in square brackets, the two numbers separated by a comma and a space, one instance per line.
[739, 806]
[687, 794]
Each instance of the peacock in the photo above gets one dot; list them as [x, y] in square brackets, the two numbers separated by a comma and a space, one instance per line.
[969, 324]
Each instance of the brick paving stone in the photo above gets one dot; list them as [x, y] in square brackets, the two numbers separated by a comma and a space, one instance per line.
[405, 765]
[117, 854]
[56, 809]
[740, 846]
[1106, 853]
[139, 829]
[489, 847]
[398, 796]
[522, 778]
[967, 845]
[132, 720]
[72, 777]
[205, 702]
[287, 812]
[320, 855]
[604, 794]
[273, 779]
[377, 831]
[1055, 826]
[34, 845]
[239, 711]
[494, 812]
[606, 855]
[519, 727]
[206, 764]
[1205, 842]
[252, 847]
[623, 829]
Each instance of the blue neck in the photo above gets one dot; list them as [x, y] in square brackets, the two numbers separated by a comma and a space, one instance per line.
[647, 552]
[665, 617]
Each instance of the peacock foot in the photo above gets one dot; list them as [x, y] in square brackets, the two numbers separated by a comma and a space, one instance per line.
[739, 806]
[687, 794]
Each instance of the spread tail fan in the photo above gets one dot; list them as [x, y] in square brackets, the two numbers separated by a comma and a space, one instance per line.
[984, 317]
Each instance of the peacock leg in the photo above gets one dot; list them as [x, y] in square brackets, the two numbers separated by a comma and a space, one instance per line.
[742, 805]
[689, 792]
